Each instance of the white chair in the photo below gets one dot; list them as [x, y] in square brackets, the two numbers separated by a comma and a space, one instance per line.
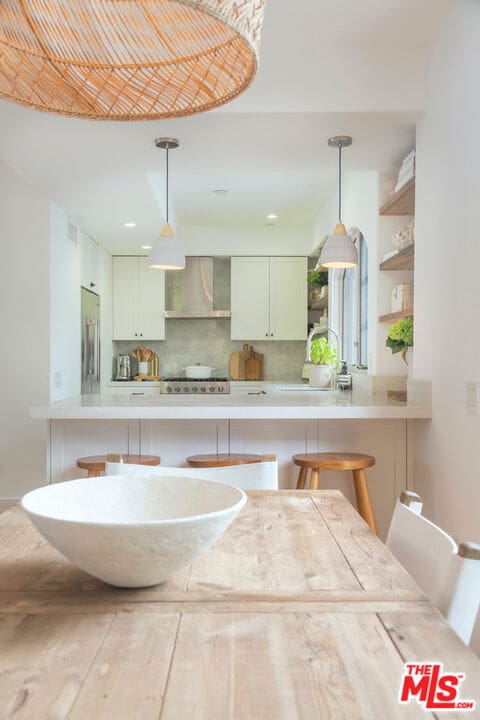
[475, 639]
[448, 574]
[257, 476]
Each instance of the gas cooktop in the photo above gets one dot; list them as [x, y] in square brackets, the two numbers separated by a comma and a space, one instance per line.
[181, 385]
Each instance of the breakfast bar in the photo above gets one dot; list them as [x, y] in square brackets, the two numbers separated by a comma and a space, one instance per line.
[280, 420]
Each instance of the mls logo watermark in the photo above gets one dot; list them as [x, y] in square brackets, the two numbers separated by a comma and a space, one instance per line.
[428, 685]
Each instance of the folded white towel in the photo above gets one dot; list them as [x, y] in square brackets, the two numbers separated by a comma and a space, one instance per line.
[407, 165]
[390, 254]
[403, 181]
[409, 157]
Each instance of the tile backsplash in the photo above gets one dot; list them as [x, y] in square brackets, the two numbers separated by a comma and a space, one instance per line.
[207, 341]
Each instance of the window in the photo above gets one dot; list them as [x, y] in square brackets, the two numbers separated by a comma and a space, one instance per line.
[349, 305]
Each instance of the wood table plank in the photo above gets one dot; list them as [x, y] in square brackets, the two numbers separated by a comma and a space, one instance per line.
[277, 542]
[285, 667]
[429, 638]
[11, 522]
[129, 674]
[44, 660]
[370, 560]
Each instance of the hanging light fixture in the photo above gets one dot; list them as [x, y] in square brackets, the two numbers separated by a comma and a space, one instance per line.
[124, 60]
[339, 251]
[167, 252]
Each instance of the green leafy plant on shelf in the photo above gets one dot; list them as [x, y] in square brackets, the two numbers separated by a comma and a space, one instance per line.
[323, 352]
[400, 337]
[319, 277]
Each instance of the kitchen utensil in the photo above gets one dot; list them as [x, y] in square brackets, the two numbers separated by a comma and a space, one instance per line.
[237, 363]
[252, 366]
[198, 372]
[235, 372]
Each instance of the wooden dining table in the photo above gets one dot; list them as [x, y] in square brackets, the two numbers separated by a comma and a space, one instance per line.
[298, 612]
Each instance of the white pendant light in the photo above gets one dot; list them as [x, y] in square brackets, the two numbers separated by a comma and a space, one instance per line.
[167, 252]
[339, 251]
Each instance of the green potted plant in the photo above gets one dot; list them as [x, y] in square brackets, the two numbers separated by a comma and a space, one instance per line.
[324, 358]
[400, 337]
[318, 277]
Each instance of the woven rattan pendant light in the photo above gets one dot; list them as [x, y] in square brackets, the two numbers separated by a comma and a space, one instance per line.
[127, 59]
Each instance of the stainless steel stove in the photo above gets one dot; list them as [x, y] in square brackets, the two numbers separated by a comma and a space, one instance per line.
[182, 386]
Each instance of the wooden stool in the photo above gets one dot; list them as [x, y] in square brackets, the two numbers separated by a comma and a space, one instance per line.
[339, 461]
[222, 460]
[95, 464]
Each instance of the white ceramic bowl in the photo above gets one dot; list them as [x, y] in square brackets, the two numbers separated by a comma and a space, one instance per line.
[133, 531]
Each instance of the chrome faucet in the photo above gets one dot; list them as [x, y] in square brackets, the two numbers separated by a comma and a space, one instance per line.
[316, 331]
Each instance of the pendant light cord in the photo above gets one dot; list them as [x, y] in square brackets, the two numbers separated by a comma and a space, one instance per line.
[166, 188]
[340, 184]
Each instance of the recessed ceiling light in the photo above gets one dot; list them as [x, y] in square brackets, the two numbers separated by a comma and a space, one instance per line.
[130, 224]
[220, 192]
[272, 216]
[146, 247]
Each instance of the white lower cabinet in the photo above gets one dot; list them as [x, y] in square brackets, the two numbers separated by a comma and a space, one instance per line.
[138, 300]
[173, 440]
[269, 298]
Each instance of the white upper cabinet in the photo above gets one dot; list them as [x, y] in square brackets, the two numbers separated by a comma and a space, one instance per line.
[288, 298]
[250, 298]
[138, 300]
[90, 262]
[269, 298]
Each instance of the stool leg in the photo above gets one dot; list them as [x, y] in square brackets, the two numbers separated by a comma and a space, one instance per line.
[94, 473]
[363, 499]
[314, 479]
[302, 476]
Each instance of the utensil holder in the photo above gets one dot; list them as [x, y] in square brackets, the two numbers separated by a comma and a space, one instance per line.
[144, 368]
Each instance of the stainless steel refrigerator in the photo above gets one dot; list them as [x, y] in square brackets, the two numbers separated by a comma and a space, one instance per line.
[90, 342]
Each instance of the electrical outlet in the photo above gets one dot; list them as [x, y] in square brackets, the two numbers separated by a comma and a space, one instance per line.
[58, 379]
[473, 398]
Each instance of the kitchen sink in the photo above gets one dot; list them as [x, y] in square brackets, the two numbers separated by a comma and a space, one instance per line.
[295, 388]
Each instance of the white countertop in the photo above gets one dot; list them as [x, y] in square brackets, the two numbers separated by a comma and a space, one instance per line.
[289, 404]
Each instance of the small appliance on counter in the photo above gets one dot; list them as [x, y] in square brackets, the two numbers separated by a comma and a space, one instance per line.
[182, 385]
[124, 368]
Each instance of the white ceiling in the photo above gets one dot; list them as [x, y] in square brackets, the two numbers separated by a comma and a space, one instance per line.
[327, 67]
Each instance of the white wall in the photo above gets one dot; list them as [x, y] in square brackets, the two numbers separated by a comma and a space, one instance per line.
[447, 268]
[24, 319]
[229, 240]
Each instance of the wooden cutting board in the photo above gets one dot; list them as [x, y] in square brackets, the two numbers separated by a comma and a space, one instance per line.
[237, 363]
[254, 365]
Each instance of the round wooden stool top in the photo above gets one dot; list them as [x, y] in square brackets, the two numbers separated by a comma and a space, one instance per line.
[96, 463]
[222, 460]
[334, 461]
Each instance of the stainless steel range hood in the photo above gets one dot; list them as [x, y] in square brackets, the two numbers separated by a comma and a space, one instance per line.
[202, 290]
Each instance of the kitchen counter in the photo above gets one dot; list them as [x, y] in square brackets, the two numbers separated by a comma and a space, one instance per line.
[289, 403]
[287, 419]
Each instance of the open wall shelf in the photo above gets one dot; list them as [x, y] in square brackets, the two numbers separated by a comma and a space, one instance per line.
[404, 260]
[393, 317]
[402, 203]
